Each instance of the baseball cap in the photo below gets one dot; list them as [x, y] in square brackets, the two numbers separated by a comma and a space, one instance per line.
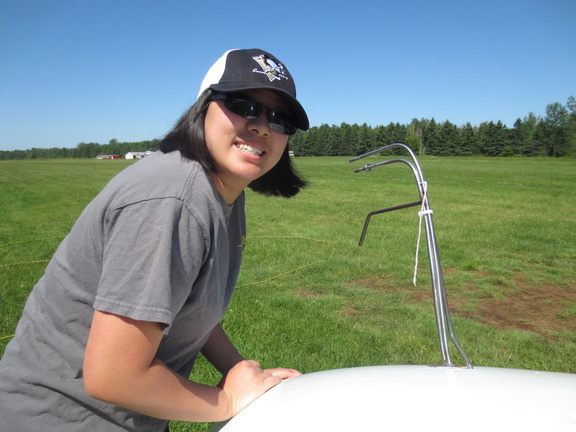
[254, 69]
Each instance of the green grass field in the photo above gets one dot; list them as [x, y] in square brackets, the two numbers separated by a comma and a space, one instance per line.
[310, 298]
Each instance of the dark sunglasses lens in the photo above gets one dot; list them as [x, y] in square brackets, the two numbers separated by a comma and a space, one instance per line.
[251, 110]
[280, 123]
[244, 108]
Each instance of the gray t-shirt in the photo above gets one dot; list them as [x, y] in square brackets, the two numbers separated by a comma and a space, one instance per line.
[157, 244]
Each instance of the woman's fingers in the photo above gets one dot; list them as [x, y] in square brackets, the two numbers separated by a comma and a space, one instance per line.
[284, 373]
[247, 381]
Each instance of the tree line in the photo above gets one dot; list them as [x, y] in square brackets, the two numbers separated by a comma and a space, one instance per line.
[553, 135]
[82, 150]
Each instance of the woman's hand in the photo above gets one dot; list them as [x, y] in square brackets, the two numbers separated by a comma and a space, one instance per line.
[247, 381]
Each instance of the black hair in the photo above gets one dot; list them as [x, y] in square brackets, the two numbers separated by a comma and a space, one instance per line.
[187, 136]
[282, 180]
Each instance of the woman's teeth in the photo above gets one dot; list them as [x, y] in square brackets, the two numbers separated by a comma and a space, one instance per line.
[250, 149]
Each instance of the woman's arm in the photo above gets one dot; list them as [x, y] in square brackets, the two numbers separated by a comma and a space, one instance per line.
[120, 368]
[219, 351]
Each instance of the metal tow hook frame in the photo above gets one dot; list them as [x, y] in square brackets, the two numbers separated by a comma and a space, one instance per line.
[443, 319]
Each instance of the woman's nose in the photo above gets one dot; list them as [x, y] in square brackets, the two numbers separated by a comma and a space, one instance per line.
[259, 125]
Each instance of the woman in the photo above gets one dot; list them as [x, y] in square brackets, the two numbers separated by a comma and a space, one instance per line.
[110, 333]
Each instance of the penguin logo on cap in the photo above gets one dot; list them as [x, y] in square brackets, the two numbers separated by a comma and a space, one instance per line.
[273, 70]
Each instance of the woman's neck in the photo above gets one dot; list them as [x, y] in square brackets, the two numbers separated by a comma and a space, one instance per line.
[227, 193]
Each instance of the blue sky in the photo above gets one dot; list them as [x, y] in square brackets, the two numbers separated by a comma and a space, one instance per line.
[88, 71]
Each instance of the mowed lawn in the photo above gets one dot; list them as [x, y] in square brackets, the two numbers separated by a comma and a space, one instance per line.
[310, 298]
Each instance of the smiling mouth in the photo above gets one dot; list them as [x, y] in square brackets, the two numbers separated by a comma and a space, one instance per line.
[249, 149]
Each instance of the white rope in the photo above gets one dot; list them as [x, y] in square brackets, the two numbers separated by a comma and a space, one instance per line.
[421, 214]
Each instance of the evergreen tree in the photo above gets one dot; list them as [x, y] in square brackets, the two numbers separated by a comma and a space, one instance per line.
[523, 135]
[555, 133]
[366, 139]
[492, 138]
[430, 138]
[571, 109]
[414, 136]
[448, 140]
[468, 141]
[381, 136]
[350, 145]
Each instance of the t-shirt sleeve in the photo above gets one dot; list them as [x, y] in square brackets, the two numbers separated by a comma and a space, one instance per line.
[153, 252]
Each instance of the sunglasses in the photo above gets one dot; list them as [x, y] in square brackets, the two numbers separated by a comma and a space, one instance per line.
[251, 110]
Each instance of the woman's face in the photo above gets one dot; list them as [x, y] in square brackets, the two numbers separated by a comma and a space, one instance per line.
[243, 149]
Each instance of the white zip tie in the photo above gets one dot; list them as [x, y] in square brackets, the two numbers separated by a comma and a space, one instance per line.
[421, 214]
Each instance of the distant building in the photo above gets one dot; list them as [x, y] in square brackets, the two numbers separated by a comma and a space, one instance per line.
[134, 155]
[138, 155]
[107, 157]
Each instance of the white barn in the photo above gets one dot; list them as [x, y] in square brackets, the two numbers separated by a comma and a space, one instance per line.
[138, 155]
